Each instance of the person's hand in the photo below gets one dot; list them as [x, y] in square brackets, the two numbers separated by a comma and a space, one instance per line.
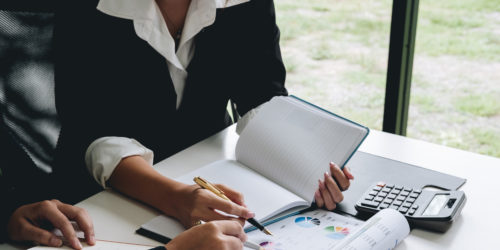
[329, 192]
[30, 223]
[195, 203]
[211, 235]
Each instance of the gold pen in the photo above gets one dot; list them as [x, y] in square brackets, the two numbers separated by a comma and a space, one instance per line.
[209, 186]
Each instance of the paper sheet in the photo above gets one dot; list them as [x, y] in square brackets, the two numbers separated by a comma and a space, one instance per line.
[317, 229]
[324, 230]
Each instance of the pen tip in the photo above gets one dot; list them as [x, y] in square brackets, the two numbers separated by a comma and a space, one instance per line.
[267, 232]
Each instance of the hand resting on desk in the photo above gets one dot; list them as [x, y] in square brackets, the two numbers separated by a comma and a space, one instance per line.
[329, 192]
[27, 223]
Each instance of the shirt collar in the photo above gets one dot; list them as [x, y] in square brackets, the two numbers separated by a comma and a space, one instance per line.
[144, 9]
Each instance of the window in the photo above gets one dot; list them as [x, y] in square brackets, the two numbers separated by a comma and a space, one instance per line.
[335, 53]
[455, 95]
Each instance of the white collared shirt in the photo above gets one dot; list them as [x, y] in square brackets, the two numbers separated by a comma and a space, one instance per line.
[104, 154]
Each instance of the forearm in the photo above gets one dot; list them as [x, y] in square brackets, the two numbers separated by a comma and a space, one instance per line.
[135, 177]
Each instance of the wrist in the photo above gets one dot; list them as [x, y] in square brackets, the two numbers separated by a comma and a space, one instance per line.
[176, 192]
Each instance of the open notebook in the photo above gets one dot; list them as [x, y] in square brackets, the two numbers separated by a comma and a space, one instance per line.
[281, 154]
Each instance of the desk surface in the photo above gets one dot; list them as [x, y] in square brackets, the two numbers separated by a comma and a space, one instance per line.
[117, 217]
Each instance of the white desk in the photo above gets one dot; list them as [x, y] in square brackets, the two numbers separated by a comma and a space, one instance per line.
[116, 217]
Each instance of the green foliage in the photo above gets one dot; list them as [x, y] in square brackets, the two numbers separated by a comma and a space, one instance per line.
[480, 105]
[489, 141]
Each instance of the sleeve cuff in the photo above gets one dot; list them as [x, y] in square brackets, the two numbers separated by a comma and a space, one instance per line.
[104, 154]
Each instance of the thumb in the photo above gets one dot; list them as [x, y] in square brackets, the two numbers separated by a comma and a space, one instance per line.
[347, 172]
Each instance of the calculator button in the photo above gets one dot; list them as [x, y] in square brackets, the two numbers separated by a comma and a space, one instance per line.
[369, 197]
[414, 207]
[373, 193]
[397, 203]
[389, 185]
[407, 204]
[404, 193]
[391, 196]
[377, 188]
[413, 195]
[387, 200]
[370, 204]
[418, 191]
[394, 207]
[412, 211]
[387, 190]
[411, 200]
[403, 210]
[407, 189]
[378, 199]
[382, 194]
[395, 191]
[381, 184]
[398, 187]
[401, 198]
[384, 205]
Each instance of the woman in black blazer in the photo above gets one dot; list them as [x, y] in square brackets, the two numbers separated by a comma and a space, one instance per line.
[140, 76]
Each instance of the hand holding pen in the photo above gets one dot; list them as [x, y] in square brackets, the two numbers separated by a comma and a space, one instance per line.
[192, 203]
[221, 234]
[214, 189]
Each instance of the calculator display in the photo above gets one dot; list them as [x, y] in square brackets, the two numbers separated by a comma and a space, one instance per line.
[436, 204]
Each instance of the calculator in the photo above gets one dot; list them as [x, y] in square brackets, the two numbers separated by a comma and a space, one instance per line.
[428, 209]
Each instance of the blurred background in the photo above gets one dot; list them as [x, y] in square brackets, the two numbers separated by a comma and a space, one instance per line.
[336, 55]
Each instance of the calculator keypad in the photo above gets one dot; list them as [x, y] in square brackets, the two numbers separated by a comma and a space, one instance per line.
[392, 196]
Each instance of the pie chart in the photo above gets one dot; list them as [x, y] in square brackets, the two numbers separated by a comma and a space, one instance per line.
[307, 222]
[337, 233]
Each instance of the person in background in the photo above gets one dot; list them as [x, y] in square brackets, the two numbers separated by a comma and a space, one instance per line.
[156, 76]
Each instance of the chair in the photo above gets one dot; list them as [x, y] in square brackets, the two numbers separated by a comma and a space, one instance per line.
[27, 107]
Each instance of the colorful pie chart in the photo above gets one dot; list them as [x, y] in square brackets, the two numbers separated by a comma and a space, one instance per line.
[307, 222]
[337, 233]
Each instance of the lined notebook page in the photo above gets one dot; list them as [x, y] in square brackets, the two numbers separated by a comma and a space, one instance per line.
[292, 143]
[252, 185]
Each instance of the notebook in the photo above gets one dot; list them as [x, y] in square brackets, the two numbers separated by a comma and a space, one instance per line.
[281, 154]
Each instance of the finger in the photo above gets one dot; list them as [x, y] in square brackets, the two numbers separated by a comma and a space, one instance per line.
[229, 207]
[232, 194]
[82, 219]
[333, 188]
[329, 203]
[212, 215]
[232, 228]
[232, 242]
[240, 220]
[36, 234]
[319, 200]
[348, 173]
[340, 178]
[59, 220]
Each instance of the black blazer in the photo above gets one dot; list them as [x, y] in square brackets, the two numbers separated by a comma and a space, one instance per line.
[21, 181]
[109, 82]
